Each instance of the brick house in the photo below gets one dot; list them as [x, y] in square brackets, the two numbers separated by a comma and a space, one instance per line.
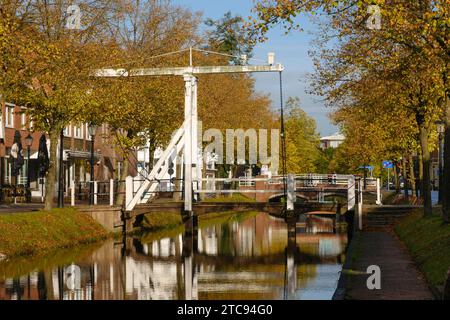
[76, 155]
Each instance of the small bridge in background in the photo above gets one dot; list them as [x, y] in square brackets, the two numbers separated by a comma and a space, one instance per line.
[283, 197]
[308, 187]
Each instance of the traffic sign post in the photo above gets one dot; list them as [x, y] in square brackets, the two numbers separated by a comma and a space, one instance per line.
[388, 165]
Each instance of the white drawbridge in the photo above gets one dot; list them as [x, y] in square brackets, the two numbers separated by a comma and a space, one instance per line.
[186, 139]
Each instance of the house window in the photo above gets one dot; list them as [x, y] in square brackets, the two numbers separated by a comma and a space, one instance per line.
[86, 128]
[23, 121]
[9, 116]
[78, 132]
[21, 178]
[67, 131]
[104, 132]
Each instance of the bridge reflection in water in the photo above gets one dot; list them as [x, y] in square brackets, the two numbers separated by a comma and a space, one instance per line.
[259, 257]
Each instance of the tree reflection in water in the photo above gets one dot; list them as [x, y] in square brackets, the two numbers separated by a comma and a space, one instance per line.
[250, 259]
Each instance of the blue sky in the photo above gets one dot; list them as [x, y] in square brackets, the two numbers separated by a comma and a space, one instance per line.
[291, 50]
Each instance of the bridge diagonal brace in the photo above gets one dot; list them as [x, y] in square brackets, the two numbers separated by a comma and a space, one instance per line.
[156, 171]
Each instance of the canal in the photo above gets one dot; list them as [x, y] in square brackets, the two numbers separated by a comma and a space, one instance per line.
[250, 257]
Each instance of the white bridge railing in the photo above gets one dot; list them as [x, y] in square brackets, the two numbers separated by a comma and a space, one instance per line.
[323, 185]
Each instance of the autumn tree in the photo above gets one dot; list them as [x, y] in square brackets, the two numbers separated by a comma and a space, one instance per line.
[409, 51]
[53, 62]
[302, 139]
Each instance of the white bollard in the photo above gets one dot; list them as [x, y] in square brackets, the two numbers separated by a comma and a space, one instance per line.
[72, 193]
[128, 190]
[360, 206]
[379, 200]
[95, 193]
[111, 192]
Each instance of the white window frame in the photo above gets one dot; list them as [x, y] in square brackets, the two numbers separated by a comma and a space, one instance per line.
[9, 116]
[86, 129]
[23, 121]
[67, 131]
[105, 132]
[75, 132]
[21, 178]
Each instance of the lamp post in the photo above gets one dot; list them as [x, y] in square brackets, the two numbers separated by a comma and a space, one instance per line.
[61, 170]
[440, 125]
[28, 143]
[92, 128]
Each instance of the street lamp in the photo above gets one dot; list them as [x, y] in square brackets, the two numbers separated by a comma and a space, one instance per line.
[92, 128]
[440, 126]
[28, 143]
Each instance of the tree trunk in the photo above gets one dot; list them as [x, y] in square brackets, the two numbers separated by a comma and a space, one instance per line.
[426, 159]
[420, 173]
[446, 178]
[123, 176]
[412, 175]
[405, 177]
[396, 178]
[50, 181]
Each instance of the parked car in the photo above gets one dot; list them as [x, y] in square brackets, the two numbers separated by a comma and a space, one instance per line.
[391, 185]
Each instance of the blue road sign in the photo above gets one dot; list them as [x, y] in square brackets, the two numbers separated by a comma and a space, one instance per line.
[388, 165]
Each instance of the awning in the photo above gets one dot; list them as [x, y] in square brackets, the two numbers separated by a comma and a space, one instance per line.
[71, 154]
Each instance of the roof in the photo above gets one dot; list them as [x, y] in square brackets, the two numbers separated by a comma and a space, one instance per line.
[335, 137]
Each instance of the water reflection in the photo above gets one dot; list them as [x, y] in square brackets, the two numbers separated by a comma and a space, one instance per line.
[259, 257]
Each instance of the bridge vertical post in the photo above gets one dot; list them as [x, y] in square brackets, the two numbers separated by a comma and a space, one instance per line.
[194, 138]
[291, 197]
[188, 148]
[128, 190]
[111, 192]
[178, 178]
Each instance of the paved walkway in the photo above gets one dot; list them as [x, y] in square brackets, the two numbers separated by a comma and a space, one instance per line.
[17, 208]
[400, 280]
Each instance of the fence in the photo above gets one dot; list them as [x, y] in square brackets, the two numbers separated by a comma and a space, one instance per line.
[107, 192]
[104, 192]
[14, 194]
[320, 187]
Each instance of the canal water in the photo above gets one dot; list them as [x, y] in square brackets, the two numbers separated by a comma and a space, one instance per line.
[250, 257]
